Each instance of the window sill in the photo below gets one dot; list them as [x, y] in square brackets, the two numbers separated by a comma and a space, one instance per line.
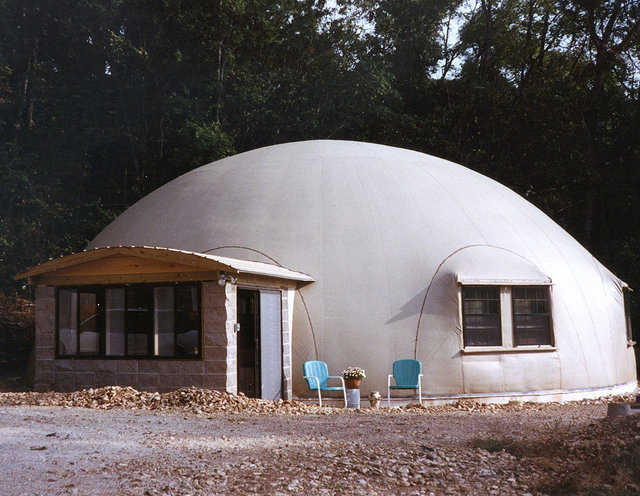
[127, 357]
[471, 350]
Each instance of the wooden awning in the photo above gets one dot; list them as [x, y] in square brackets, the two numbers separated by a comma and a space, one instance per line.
[141, 264]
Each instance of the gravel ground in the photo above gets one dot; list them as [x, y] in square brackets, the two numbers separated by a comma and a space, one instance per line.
[522, 449]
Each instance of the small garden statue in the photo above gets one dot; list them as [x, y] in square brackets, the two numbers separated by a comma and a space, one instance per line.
[374, 399]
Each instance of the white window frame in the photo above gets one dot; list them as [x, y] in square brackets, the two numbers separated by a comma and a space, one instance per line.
[506, 321]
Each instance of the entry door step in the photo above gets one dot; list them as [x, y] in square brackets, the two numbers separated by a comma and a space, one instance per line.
[623, 409]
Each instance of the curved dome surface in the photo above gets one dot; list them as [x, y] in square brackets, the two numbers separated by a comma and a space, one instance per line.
[388, 235]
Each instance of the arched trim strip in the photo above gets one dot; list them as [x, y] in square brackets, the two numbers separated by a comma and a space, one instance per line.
[444, 260]
[304, 303]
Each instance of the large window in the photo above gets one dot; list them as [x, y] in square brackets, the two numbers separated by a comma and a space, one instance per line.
[506, 316]
[130, 321]
[481, 315]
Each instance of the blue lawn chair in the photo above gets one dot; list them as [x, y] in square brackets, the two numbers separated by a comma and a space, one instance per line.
[317, 375]
[407, 374]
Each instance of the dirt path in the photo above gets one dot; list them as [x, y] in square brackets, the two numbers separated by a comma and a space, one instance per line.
[53, 450]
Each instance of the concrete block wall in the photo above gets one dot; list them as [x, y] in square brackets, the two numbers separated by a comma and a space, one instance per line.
[219, 305]
[287, 316]
[45, 339]
[216, 370]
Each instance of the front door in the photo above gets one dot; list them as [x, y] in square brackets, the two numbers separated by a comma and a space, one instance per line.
[260, 343]
[270, 345]
[249, 342]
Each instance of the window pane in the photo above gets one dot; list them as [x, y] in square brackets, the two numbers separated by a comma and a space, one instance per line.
[531, 322]
[67, 322]
[139, 320]
[115, 321]
[530, 306]
[627, 312]
[89, 325]
[187, 320]
[164, 335]
[481, 315]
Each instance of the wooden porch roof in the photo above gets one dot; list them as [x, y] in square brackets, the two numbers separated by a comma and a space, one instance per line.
[138, 264]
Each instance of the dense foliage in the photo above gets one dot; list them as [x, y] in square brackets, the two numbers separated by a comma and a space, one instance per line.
[102, 101]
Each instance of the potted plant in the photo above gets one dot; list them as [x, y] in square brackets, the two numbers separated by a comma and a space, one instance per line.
[353, 377]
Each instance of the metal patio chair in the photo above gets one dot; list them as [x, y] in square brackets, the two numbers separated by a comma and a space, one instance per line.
[407, 374]
[317, 375]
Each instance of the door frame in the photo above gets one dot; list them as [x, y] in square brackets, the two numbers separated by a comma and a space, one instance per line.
[258, 289]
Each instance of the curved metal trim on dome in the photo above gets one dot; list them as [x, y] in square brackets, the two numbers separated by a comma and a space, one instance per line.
[541, 279]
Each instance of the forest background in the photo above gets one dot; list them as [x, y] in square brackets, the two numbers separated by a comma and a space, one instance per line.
[102, 101]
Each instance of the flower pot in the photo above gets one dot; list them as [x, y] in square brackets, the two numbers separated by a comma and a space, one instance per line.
[352, 383]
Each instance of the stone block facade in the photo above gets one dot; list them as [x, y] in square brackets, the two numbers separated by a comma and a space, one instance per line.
[220, 369]
[45, 339]
[287, 328]
[217, 369]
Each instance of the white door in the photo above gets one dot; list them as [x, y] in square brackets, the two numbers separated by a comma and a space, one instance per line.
[270, 345]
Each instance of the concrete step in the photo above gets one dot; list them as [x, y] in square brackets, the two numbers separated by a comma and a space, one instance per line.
[623, 409]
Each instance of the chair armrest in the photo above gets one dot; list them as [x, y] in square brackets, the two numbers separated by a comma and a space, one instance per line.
[389, 380]
[337, 377]
[313, 377]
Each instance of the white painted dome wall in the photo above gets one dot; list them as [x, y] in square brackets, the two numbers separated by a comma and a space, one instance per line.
[376, 226]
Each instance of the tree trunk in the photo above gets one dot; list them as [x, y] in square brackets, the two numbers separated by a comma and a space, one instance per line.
[24, 117]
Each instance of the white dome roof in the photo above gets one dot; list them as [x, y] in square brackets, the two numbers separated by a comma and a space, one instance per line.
[384, 231]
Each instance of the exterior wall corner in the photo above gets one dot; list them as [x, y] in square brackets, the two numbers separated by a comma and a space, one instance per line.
[45, 338]
[288, 296]
[220, 343]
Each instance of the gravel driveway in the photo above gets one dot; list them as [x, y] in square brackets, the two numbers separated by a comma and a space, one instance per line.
[55, 450]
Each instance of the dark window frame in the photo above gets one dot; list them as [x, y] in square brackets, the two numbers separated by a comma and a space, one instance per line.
[57, 323]
[465, 332]
[626, 301]
[177, 320]
[99, 315]
[127, 318]
[101, 290]
[547, 314]
[79, 290]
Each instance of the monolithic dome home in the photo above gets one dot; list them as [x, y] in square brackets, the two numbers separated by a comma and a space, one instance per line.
[234, 274]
